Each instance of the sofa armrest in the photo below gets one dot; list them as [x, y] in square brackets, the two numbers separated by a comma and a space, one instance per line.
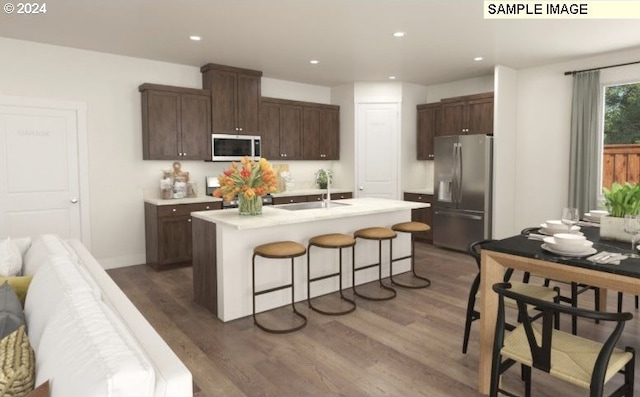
[173, 378]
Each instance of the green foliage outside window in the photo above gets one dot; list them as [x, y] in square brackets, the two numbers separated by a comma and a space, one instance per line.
[622, 114]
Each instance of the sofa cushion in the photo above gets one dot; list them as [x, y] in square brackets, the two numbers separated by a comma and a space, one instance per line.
[42, 247]
[20, 285]
[56, 278]
[10, 258]
[84, 353]
[17, 367]
[11, 316]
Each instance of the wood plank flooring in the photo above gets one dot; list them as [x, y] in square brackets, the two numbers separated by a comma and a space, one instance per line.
[408, 346]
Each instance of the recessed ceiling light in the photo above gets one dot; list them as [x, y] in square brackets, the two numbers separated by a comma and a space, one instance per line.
[195, 38]
[478, 59]
[392, 77]
[398, 34]
[314, 62]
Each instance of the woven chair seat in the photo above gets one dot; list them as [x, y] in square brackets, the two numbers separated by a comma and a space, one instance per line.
[411, 227]
[280, 249]
[535, 291]
[572, 357]
[333, 240]
[375, 233]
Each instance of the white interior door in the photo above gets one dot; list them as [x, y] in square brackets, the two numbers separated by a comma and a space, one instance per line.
[377, 150]
[40, 188]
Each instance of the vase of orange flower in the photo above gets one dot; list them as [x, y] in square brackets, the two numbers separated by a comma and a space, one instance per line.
[248, 181]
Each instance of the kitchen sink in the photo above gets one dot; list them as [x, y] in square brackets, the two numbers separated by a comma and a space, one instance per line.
[309, 205]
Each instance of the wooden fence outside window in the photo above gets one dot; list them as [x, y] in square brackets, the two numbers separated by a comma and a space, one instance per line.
[620, 163]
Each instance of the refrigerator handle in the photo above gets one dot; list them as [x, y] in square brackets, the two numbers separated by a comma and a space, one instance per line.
[459, 174]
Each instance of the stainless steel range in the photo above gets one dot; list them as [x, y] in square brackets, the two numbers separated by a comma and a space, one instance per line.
[212, 183]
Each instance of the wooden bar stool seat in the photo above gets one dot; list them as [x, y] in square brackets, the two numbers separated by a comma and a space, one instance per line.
[413, 228]
[277, 250]
[330, 241]
[379, 234]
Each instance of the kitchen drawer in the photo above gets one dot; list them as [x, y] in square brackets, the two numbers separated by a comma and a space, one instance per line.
[421, 198]
[186, 209]
[340, 196]
[314, 197]
[289, 200]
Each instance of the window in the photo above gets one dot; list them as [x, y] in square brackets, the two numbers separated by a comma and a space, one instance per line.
[621, 130]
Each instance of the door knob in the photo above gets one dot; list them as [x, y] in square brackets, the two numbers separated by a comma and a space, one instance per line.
[73, 200]
[361, 188]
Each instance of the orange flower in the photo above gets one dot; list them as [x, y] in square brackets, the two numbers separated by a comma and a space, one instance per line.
[250, 179]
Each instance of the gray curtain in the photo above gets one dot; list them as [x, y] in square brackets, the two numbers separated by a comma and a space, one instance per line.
[585, 142]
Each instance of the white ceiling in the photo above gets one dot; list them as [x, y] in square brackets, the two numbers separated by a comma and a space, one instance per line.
[352, 39]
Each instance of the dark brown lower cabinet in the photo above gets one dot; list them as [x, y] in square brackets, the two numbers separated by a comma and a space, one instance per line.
[424, 215]
[310, 197]
[168, 233]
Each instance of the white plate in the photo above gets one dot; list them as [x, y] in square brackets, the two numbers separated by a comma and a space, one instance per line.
[551, 232]
[579, 248]
[591, 218]
[589, 251]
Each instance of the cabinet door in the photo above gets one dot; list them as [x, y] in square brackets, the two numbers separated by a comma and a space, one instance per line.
[270, 130]
[248, 104]
[174, 240]
[223, 101]
[424, 215]
[291, 132]
[330, 128]
[163, 125]
[320, 134]
[428, 128]
[453, 118]
[480, 116]
[195, 127]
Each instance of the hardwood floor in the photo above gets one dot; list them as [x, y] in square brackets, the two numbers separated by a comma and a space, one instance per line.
[408, 346]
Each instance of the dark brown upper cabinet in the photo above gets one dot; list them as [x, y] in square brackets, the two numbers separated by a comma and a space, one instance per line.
[471, 114]
[321, 132]
[429, 120]
[281, 129]
[235, 99]
[176, 123]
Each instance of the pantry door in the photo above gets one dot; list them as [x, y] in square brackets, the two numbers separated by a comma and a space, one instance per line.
[377, 150]
[42, 144]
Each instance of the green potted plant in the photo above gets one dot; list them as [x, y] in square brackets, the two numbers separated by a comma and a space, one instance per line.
[323, 177]
[620, 200]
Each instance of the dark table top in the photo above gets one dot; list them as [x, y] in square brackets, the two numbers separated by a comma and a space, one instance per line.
[522, 246]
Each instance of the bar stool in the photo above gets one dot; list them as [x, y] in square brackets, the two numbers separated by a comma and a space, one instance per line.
[380, 234]
[277, 250]
[332, 241]
[413, 228]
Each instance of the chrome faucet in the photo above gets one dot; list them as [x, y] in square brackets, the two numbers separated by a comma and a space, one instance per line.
[326, 202]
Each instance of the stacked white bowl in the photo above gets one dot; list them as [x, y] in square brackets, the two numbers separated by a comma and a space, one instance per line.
[568, 243]
[552, 227]
[595, 215]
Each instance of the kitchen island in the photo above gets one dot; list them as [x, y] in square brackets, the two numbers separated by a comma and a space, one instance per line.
[223, 243]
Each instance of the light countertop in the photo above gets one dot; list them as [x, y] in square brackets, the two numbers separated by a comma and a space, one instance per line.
[419, 190]
[275, 216]
[309, 192]
[191, 200]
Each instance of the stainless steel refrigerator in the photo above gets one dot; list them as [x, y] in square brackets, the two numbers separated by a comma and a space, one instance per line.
[463, 190]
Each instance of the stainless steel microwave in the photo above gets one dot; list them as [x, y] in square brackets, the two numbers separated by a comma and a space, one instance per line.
[234, 147]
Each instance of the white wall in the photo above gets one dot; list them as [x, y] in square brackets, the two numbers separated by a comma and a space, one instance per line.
[505, 161]
[543, 133]
[119, 178]
[344, 174]
[459, 88]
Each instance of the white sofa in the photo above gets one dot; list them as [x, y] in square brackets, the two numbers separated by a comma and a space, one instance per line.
[89, 339]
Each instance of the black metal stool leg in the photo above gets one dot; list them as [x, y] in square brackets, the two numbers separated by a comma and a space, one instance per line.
[379, 264]
[424, 283]
[256, 293]
[352, 303]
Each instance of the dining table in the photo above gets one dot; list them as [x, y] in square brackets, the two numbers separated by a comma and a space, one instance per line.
[524, 253]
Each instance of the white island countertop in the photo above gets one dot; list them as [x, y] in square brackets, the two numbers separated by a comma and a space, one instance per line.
[275, 216]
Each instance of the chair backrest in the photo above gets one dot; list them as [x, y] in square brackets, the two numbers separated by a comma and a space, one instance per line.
[541, 350]
[474, 250]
